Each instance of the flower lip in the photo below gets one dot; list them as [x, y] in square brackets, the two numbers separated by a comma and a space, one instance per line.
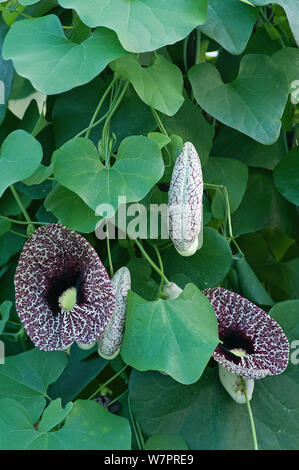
[53, 262]
[254, 345]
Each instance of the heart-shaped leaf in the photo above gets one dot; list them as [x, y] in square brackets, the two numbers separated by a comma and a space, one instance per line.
[41, 52]
[25, 378]
[20, 155]
[167, 335]
[230, 23]
[159, 86]
[142, 25]
[253, 103]
[138, 167]
[88, 426]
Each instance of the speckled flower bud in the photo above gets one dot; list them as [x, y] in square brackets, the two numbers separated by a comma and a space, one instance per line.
[172, 291]
[185, 202]
[109, 342]
[233, 385]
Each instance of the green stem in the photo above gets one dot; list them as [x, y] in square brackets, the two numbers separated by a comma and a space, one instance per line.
[185, 50]
[197, 47]
[93, 119]
[159, 122]
[21, 222]
[154, 266]
[116, 105]
[253, 432]
[92, 126]
[162, 270]
[108, 382]
[134, 426]
[20, 204]
[109, 252]
[18, 233]
[119, 397]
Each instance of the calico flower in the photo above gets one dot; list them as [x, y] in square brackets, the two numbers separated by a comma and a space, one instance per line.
[109, 342]
[185, 202]
[63, 292]
[254, 345]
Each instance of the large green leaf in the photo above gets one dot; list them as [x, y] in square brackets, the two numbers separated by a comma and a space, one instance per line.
[286, 176]
[263, 206]
[231, 143]
[190, 124]
[230, 23]
[229, 173]
[206, 416]
[287, 60]
[26, 377]
[20, 155]
[70, 210]
[167, 335]
[41, 52]
[138, 167]
[206, 268]
[142, 25]
[88, 426]
[165, 441]
[6, 75]
[159, 85]
[253, 103]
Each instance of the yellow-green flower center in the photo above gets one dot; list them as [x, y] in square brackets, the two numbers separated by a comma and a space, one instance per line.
[238, 352]
[68, 299]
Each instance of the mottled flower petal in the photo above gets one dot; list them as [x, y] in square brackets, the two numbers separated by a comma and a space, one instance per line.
[244, 327]
[109, 342]
[53, 260]
[185, 201]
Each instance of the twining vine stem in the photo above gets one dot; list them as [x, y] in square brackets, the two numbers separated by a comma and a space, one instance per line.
[154, 266]
[108, 382]
[253, 432]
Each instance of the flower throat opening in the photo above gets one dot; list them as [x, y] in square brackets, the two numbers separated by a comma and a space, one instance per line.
[63, 289]
[238, 342]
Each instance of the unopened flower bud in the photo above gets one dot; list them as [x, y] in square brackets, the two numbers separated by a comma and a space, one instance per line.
[233, 385]
[109, 342]
[185, 202]
[172, 291]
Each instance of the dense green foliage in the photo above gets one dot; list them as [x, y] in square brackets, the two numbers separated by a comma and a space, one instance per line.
[98, 98]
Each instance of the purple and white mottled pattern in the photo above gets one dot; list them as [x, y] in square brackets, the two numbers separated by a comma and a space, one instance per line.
[185, 199]
[50, 253]
[110, 340]
[269, 347]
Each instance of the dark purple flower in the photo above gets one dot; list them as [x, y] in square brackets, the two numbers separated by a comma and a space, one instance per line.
[63, 292]
[254, 345]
